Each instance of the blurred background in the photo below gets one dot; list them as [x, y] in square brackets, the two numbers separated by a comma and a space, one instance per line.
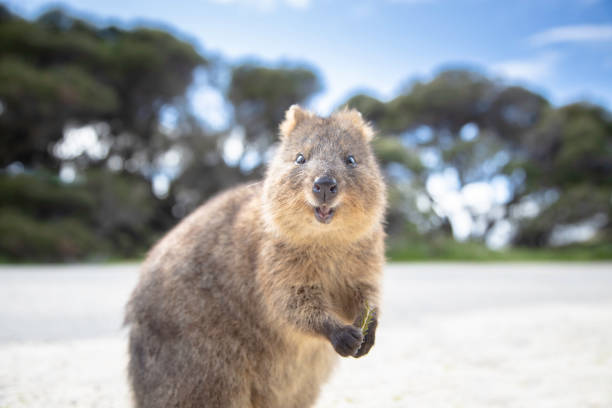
[494, 129]
[119, 117]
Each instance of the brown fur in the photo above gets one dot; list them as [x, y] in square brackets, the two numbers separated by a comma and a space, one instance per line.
[243, 303]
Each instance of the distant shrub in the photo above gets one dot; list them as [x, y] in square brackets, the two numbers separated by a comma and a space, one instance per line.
[104, 215]
[23, 237]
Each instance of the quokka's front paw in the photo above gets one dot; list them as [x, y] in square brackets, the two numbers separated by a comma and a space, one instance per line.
[346, 340]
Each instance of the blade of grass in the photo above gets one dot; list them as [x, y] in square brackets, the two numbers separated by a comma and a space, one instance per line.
[367, 318]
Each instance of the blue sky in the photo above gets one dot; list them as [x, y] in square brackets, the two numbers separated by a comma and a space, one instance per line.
[561, 48]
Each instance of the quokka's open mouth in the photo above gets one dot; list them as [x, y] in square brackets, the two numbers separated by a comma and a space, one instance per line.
[324, 214]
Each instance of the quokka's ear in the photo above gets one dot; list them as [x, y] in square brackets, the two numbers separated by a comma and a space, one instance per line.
[294, 115]
[353, 118]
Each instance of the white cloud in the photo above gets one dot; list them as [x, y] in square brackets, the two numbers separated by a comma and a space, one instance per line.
[574, 33]
[267, 4]
[529, 69]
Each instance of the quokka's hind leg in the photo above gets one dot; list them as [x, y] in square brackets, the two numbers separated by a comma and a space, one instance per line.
[172, 373]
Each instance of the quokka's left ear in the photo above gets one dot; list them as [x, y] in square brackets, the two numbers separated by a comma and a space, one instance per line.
[353, 118]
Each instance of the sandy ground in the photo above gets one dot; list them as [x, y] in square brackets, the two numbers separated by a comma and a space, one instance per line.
[451, 335]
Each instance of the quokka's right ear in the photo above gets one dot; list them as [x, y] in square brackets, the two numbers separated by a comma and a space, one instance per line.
[294, 115]
[353, 118]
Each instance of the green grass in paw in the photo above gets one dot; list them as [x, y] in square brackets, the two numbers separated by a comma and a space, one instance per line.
[367, 318]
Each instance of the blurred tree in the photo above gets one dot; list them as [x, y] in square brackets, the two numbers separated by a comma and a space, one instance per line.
[260, 96]
[567, 157]
[57, 74]
[105, 214]
[58, 71]
[556, 159]
[203, 171]
[63, 79]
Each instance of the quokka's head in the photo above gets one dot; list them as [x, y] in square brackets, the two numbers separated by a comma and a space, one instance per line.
[324, 184]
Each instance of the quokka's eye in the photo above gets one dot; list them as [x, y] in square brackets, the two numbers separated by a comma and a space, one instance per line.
[299, 159]
[350, 161]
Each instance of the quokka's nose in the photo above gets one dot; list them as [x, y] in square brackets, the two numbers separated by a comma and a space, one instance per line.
[325, 188]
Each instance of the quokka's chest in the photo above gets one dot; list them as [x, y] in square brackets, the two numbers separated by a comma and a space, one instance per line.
[340, 282]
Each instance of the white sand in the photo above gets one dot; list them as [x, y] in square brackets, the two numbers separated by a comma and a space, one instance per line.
[450, 336]
[555, 356]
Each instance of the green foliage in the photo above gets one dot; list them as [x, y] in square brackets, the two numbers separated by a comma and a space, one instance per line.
[58, 72]
[261, 95]
[369, 107]
[390, 150]
[570, 152]
[576, 204]
[273, 87]
[540, 149]
[23, 237]
[450, 100]
[68, 85]
[43, 195]
[585, 154]
[104, 215]
[453, 251]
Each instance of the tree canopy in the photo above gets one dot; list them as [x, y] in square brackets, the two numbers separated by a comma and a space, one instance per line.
[556, 160]
[102, 151]
[59, 70]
